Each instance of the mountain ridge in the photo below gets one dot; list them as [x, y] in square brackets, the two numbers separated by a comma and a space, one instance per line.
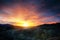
[41, 32]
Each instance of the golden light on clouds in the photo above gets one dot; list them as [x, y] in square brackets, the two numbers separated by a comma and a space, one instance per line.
[24, 16]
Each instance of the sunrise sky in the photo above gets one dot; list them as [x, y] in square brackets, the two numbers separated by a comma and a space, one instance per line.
[32, 12]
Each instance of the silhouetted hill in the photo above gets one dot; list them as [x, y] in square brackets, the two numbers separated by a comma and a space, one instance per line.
[57, 25]
[42, 32]
[6, 27]
[55, 28]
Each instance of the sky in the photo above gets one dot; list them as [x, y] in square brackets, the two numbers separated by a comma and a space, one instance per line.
[36, 12]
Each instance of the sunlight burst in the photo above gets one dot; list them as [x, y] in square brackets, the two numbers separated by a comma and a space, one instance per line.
[24, 24]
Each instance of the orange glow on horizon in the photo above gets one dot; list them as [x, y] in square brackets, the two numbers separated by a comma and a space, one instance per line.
[25, 24]
[24, 16]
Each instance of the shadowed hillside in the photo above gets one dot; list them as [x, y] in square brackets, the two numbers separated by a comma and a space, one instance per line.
[42, 32]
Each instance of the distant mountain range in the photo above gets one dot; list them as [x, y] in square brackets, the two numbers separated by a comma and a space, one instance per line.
[42, 32]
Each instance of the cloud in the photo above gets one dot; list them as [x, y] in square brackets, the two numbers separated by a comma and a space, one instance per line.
[36, 11]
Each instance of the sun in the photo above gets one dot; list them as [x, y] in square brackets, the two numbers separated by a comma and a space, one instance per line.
[25, 24]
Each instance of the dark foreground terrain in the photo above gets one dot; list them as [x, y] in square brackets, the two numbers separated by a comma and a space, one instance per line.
[42, 32]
